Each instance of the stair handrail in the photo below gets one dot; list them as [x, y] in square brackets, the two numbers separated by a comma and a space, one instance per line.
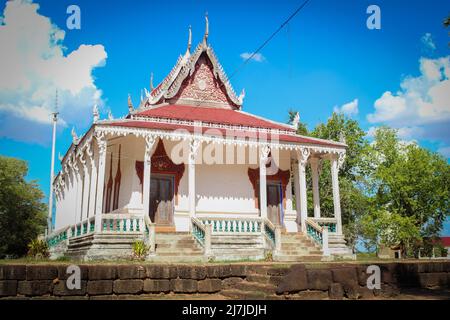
[202, 234]
[150, 240]
[318, 234]
[330, 222]
[57, 236]
[273, 233]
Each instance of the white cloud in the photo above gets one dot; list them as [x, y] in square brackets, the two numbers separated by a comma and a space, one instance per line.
[34, 64]
[445, 151]
[421, 108]
[427, 42]
[258, 57]
[348, 109]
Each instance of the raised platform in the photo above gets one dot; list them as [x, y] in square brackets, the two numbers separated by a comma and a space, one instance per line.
[224, 281]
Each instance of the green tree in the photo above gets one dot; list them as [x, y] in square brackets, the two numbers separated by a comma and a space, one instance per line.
[410, 181]
[22, 213]
[389, 229]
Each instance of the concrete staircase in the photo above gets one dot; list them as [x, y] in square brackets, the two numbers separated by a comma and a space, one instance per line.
[177, 247]
[338, 247]
[297, 247]
[237, 247]
[102, 246]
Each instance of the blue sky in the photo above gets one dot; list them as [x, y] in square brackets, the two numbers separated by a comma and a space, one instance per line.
[326, 58]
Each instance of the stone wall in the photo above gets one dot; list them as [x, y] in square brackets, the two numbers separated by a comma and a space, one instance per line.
[238, 281]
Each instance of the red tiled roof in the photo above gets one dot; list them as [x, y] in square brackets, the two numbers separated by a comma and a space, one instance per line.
[445, 241]
[213, 115]
[218, 132]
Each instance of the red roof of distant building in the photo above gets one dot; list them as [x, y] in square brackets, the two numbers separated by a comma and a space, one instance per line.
[445, 241]
[213, 115]
[216, 131]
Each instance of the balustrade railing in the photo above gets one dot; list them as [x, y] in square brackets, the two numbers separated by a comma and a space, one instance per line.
[233, 225]
[82, 228]
[319, 234]
[150, 234]
[331, 223]
[201, 230]
[120, 222]
[273, 233]
[57, 237]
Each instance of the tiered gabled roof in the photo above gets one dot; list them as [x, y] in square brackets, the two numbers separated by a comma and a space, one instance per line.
[197, 94]
[187, 72]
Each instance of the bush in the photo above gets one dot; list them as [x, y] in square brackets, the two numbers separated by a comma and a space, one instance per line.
[140, 250]
[38, 249]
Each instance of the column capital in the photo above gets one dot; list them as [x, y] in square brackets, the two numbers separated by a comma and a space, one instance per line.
[264, 153]
[150, 142]
[89, 152]
[194, 145]
[341, 159]
[303, 155]
[82, 158]
[100, 137]
[316, 164]
[74, 163]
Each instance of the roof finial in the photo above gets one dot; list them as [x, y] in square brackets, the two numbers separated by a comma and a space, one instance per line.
[296, 121]
[151, 82]
[205, 37]
[130, 104]
[95, 114]
[241, 96]
[188, 50]
[74, 136]
[110, 115]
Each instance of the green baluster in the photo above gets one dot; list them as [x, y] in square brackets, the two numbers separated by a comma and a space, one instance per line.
[231, 226]
[124, 225]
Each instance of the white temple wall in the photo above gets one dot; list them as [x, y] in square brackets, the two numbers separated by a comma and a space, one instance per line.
[132, 150]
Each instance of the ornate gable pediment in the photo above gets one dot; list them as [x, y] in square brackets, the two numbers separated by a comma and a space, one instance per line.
[201, 86]
[196, 79]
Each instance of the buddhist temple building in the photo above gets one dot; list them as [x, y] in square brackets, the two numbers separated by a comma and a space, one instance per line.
[195, 177]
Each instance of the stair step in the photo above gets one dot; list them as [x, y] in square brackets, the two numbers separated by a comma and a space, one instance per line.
[297, 258]
[243, 295]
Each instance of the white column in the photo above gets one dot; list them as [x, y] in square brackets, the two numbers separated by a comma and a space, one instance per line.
[297, 192]
[84, 209]
[263, 157]
[193, 148]
[101, 141]
[93, 183]
[315, 171]
[335, 164]
[150, 142]
[78, 187]
[303, 155]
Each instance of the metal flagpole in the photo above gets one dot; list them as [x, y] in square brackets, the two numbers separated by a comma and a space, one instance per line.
[52, 168]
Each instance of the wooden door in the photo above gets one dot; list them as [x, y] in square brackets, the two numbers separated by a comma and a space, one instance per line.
[161, 200]
[273, 203]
